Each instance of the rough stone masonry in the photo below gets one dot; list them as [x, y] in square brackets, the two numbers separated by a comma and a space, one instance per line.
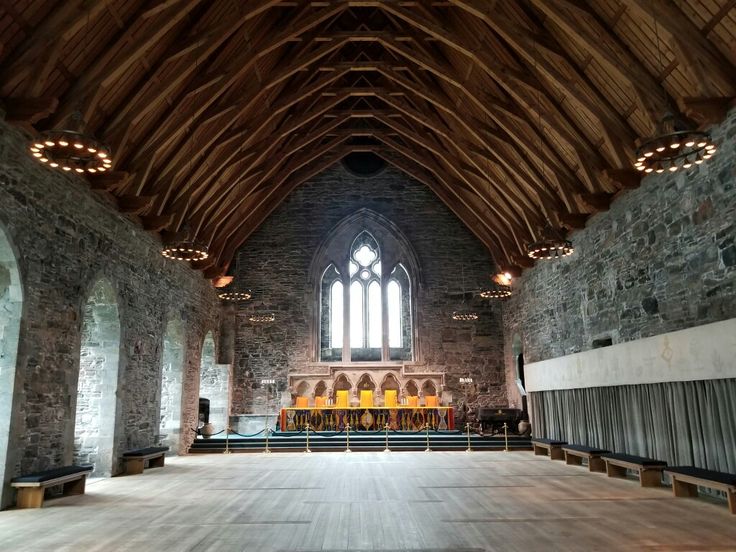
[66, 240]
[663, 258]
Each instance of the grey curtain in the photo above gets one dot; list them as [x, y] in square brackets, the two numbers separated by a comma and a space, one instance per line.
[684, 423]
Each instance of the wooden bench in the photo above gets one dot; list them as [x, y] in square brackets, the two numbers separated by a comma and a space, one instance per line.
[648, 469]
[135, 460]
[574, 455]
[550, 447]
[687, 479]
[32, 487]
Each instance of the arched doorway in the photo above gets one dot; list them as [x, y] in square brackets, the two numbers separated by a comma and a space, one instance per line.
[517, 349]
[214, 384]
[96, 409]
[172, 368]
[11, 308]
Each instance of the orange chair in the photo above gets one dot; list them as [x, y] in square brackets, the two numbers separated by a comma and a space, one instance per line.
[390, 398]
[413, 401]
[366, 398]
[319, 402]
[341, 399]
[302, 402]
[431, 400]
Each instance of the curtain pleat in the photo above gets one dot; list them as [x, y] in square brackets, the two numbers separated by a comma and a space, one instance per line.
[683, 423]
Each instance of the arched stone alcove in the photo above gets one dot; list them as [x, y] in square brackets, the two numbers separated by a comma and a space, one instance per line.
[172, 369]
[11, 308]
[96, 408]
[214, 384]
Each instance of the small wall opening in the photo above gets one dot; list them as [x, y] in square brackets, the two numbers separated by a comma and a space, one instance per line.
[602, 342]
[11, 308]
[172, 369]
[214, 384]
[94, 427]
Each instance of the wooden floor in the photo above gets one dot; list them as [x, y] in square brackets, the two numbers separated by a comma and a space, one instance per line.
[437, 501]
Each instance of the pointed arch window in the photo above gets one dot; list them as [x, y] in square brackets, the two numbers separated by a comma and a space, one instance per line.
[365, 316]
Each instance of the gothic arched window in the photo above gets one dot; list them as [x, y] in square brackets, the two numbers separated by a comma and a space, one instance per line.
[365, 312]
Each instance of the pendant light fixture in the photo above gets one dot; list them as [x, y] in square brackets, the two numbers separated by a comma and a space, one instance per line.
[188, 249]
[675, 144]
[464, 313]
[71, 150]
[500, 287]
[496, 291]
[551, 244]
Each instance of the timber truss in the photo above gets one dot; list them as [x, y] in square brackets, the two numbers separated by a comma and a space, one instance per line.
[516, 113]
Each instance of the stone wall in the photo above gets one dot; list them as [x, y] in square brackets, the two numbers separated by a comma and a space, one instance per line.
[663, 258]
[66, 239]
[275, 264]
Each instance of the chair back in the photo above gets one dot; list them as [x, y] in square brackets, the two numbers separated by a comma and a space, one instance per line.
[341, 399]
[319, 402]
[431, 400]
[302, 402]
[390, 398]
[366, 398]
[412, 400]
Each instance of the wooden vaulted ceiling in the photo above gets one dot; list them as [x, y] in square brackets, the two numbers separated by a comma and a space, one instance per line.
[517, 114]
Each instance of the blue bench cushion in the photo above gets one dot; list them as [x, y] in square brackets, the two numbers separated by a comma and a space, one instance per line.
[710, 475]
[548, 441]
[583, 448]
[640, 460]
[48, 475]
[145, 451]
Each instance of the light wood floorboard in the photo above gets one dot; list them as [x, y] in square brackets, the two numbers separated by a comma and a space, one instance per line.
[430, 502]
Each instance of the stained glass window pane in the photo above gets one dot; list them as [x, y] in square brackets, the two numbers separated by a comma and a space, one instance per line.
[336, 315]
[374, 315]
[394, 314]
[356, 315]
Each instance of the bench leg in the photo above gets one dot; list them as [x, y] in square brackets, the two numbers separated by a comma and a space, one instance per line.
[556, 453]
[75, 487]
[157, 462]
[30, 497]
[731, 501]
[615, 471]
[539, 451]
[596, 465]
[572, 460]
[680, 488]
[650, 478]
[134, 466]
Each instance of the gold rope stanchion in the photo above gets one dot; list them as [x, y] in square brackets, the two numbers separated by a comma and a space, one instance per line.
[506, 437]
[347, 448]
[268, 430]
[386, 428]
[307, 428]
[467, 427]
[227, 440]
[426, 427]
